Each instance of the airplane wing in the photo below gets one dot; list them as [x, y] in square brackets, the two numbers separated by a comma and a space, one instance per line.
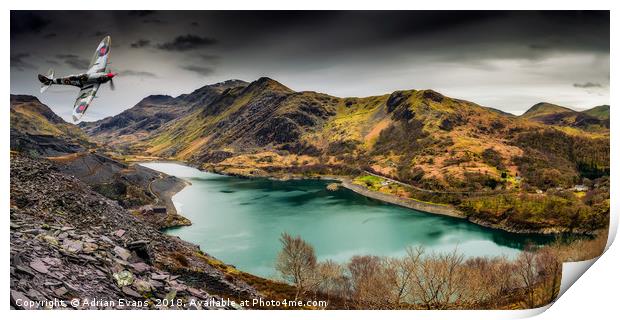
[83, 101]
[100, 59]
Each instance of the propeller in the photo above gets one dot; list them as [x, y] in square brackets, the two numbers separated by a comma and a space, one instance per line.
[111, 76]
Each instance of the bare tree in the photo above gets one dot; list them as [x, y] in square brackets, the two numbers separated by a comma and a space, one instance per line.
[399, 274]
[432, 281]
[526, 270]
[296, 262]
[369, 281]
[439, 281]
[506, 276]
[481, 279]
[549, 268]
[331, 279]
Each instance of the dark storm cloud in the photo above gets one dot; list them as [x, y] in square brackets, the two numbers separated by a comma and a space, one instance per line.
[504, 59]
[587, 85]
[137, 73]
[535, 46]
[209, 57]
[50, 35]
[203, 71]
[74, 61]
[187, 42]
[18, 61]
[140, 43]
[431, 22]
[153, 21]
[141, 13]
[23, 22]
[483, 34]
[479, 34]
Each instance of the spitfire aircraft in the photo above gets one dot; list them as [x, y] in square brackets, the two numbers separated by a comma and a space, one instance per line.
[88, 82]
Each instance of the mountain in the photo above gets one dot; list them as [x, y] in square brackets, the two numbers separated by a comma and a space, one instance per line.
[491, 166]
[83, 204]
[152, 112]
[36, 128]
[599, 112]
[551, 114]
[543, 109]
[417, 136]
[487, 164]
[78, 209]
[38, 132]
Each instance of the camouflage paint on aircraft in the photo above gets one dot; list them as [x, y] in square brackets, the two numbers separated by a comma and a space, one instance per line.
[88, 82]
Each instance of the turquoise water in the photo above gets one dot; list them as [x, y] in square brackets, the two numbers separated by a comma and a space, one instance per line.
[239, 221]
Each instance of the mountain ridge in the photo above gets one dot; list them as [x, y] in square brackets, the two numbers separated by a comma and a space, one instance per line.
[601, 112]
[550, 114]
[37, 129]
[446, 151]
[407, 134]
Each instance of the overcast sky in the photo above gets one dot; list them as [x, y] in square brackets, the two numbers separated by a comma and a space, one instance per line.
[505, 60]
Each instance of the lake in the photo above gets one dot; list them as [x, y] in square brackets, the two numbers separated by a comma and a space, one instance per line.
[239, 221]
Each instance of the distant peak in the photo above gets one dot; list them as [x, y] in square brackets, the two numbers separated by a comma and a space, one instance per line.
[156, 99]
[432, 95]
[219, 86]
[32, 103]
[543, 108]
[230, 83]
[265, 79]
[24, 98]
[542, 105]
[600, 112]
[270, 84]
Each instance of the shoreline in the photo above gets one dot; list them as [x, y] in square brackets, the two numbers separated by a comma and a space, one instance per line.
[163, 189]
[444, 210]
[450, 211]
[424, 207]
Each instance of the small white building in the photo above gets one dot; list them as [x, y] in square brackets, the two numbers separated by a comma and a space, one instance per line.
[580, 187]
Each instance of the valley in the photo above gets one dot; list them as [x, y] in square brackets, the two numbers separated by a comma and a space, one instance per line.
[489, 165]
[537, 177]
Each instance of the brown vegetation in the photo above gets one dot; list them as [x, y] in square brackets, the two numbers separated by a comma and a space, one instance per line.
[296, 262]
[424, 280]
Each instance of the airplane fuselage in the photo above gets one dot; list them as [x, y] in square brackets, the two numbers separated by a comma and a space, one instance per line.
[88, 82]
[84, 79]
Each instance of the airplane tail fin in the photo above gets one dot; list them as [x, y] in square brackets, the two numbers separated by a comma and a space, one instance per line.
[47, 80]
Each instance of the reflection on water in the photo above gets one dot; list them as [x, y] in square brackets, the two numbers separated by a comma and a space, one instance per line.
[240, 220]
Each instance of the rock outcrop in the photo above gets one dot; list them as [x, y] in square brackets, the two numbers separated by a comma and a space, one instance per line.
[69, 242]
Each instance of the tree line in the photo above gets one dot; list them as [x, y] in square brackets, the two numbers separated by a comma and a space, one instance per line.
[429, 280]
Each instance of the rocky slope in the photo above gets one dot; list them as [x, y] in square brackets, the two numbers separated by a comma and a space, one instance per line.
[75, 233]
[70, 242]
[37, 129]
